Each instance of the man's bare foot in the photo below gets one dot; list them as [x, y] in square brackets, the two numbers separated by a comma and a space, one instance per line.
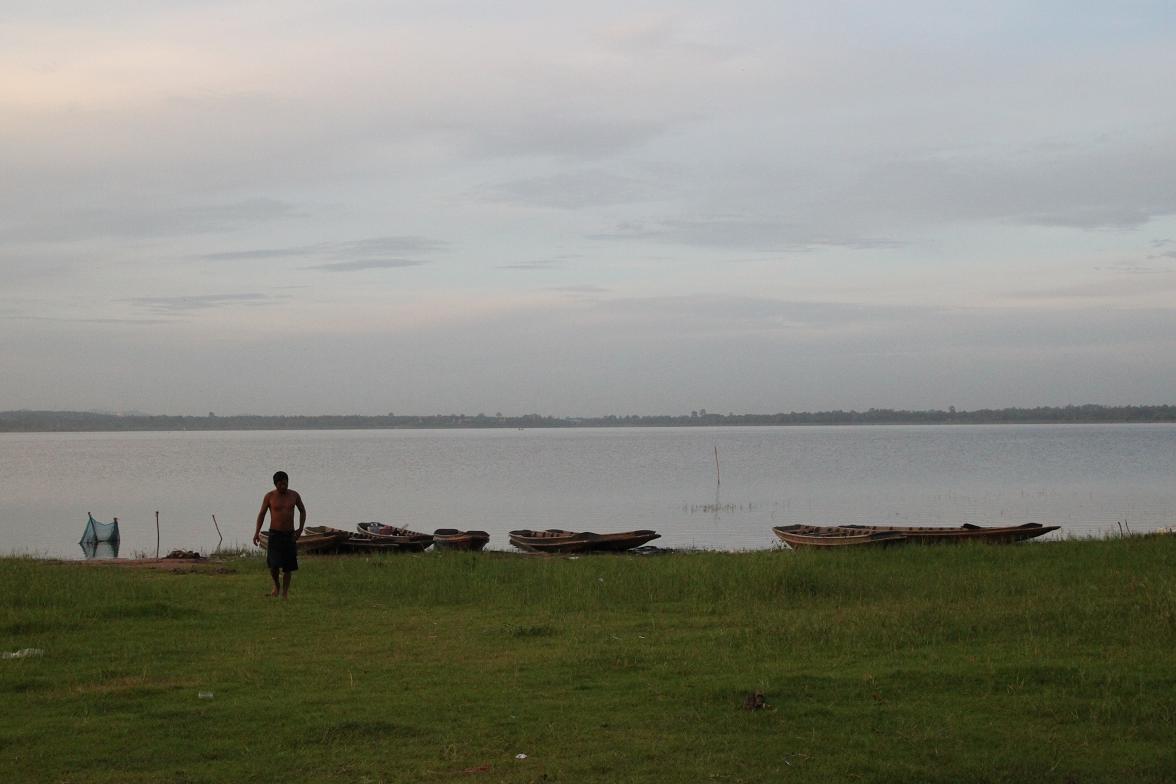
[273, 594]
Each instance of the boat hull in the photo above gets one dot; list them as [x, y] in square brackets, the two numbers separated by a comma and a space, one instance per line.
[965, 533]
[550, 541]
[559, 541]
[606, 543]
[812, 536]
[313, 541]
[452, 539]
[394, 538]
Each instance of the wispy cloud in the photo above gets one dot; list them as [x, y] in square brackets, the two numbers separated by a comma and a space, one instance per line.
[740, 234]
[581, 289]
[355, 266]
[1163, 249]
[197, 302]
[374, 249]
[570, 190]
[542, 264]
[148, 222]
[763, 311]
[86, 320]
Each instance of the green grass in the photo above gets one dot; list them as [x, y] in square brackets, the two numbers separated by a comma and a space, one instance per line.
[1041, 662]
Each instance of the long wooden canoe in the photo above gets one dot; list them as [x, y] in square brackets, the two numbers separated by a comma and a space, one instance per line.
[550, 541]
[964, 533]
[453, 539]
[314, 539]
[554, 540]
[402, 538]
[626, 540]
[798, 536]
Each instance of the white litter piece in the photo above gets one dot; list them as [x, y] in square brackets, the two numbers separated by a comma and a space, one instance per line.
[520, 756]
[205, 695]
[23, 653]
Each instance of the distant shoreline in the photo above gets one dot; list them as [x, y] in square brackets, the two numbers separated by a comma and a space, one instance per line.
[82, 421]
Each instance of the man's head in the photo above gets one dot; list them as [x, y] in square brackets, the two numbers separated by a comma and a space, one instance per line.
[281, 480]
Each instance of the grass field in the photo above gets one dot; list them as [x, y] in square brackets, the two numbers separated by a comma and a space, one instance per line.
[1044, 662]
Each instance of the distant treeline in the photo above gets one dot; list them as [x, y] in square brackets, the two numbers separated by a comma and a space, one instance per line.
[67, 421]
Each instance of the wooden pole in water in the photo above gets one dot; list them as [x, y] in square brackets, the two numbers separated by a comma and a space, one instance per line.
[218, 533]
[157, 533]
[718, 478]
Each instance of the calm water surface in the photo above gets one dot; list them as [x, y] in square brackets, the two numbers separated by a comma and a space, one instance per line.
[1087, 478]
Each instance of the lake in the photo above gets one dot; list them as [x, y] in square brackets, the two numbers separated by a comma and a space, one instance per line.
[1089, 479]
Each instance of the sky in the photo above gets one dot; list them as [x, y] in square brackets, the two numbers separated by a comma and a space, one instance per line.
[580, 209]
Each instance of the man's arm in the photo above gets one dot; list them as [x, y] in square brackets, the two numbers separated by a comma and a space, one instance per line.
[261, 519]
[301, 515]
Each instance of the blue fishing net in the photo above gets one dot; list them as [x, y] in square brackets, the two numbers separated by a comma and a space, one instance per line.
[99, 532]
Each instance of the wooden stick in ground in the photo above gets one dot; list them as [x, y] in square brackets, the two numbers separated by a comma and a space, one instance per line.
[718, 479]
[218, 532]
[157, 533]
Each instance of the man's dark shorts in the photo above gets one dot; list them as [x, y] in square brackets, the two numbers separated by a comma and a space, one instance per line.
[282, 551]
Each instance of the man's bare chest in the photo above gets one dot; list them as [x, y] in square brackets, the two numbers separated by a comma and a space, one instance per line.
[283, 503]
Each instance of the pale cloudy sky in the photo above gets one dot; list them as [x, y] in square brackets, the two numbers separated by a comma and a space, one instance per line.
[588, 208]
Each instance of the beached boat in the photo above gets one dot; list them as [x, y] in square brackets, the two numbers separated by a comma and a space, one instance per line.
[557, 541]
[964, 533]
[358, 541]
[798, 536]
[549, 541]
[403, 539]
[315, 538]
[626, 540]
[453, 539]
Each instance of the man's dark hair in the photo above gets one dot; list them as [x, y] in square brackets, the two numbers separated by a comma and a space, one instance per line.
[281, 477]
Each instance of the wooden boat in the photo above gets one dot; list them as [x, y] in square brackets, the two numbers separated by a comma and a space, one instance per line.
[315, 538]
[798, 536]
[627, 540]
[550, 541]
[403, 539]
[453, 539]
[554, 540]
[350, 541]
[964, 533]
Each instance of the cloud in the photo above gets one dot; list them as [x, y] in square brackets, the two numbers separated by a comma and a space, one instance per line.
[131, 222]
[542, 264]
[581, 289]
[1109, 183]
[571, 190]
[1140, 281]
[197, 302]
[372, 246]
[1163, 249]
[743, 311]
[355, 266]
[89, 320]
[740, 234]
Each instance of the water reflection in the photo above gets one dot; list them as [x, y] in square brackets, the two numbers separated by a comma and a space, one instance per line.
[93, 549]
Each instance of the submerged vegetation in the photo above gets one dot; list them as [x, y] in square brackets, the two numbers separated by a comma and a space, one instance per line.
[1047, 662]
[67, 421]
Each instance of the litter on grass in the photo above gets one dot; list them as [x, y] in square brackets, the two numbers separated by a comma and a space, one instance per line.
[23, 653]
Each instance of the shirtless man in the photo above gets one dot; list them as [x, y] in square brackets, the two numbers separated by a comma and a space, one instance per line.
[282, 550]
